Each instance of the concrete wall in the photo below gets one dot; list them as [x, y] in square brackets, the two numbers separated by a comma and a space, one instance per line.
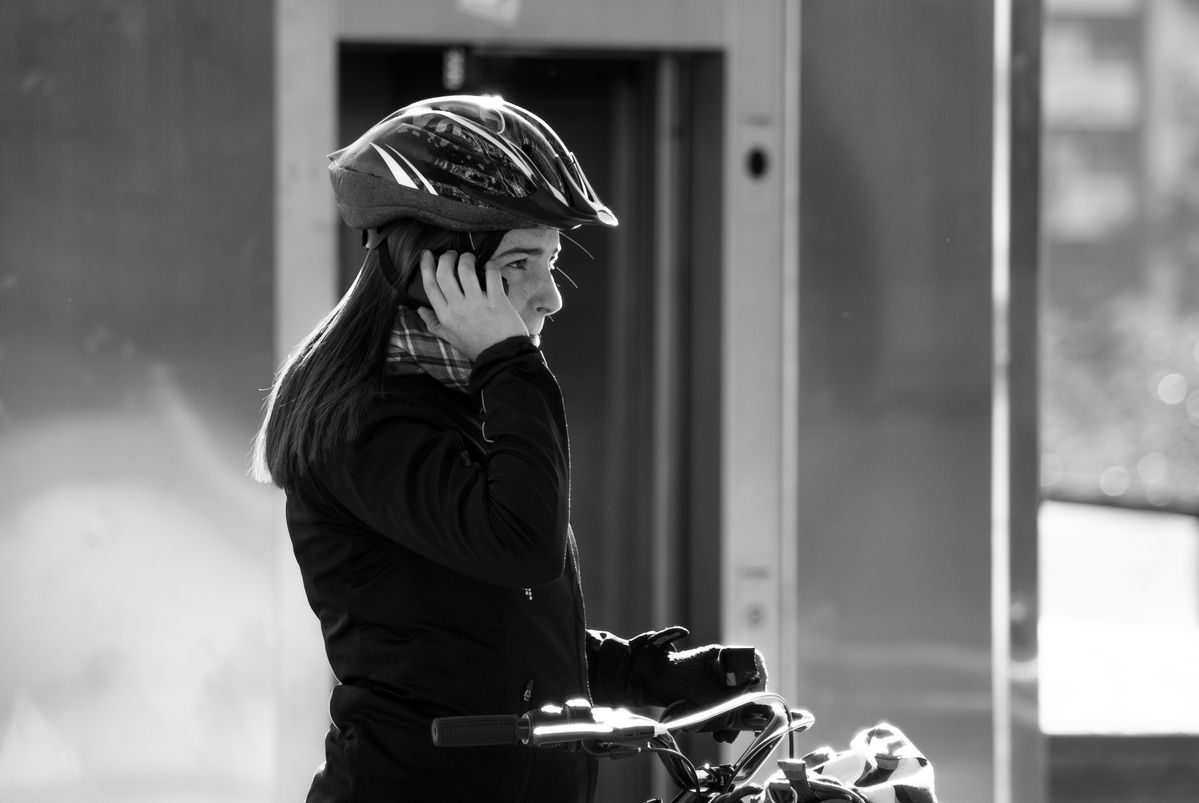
[137, 562]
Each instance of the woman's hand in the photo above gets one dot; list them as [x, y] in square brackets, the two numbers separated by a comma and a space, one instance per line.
[464, 314]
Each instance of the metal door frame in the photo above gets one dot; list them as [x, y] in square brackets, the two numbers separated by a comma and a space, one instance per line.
[761, 205]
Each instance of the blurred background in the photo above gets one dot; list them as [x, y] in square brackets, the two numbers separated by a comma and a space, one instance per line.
[891, 369]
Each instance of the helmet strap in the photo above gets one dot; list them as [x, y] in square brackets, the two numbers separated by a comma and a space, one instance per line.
[372, 239]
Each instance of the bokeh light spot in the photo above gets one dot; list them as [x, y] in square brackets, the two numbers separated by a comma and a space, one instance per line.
[1114, 481]
[1172, 388]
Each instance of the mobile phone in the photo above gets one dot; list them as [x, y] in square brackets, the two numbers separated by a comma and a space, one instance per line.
[416, 287]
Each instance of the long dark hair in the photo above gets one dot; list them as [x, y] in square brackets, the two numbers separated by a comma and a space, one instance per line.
[322, 394]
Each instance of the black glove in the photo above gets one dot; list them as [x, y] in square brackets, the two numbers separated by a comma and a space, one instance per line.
[694, 678]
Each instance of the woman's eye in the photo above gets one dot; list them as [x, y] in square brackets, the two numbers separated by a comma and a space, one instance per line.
[518, 264]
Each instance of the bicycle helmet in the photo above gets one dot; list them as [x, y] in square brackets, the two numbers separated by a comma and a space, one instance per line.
[466, 163]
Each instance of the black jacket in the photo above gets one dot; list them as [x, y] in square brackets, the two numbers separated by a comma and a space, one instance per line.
[436, 551]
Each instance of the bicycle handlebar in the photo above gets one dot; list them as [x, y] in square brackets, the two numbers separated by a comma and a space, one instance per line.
[480, 731]
[576, 721]
[619, 732]
[579, 721]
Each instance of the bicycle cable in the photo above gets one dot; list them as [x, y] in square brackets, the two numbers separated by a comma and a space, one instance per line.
[682, 760]
[763, 746]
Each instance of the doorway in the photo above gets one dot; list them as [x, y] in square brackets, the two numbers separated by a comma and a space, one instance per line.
[636, 346]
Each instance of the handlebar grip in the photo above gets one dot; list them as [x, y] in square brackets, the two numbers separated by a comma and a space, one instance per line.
[476, 731]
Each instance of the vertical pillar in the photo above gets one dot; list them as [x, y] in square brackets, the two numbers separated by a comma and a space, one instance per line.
[1027, 770]
[305, 275]
[758, 361]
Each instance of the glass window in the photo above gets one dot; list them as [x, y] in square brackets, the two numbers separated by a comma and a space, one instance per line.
[1120, 367]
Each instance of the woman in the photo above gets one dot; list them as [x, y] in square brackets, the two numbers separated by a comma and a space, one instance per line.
[421, 441]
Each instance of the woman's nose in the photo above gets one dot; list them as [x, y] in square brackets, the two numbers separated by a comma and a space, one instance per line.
[547, 298]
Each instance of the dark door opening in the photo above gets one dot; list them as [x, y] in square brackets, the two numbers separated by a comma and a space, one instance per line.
[601, 345]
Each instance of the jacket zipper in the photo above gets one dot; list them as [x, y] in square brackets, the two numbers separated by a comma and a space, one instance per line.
[483, 417]
[580, 616]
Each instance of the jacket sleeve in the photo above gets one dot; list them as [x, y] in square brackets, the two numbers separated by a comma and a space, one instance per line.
[608, 662]
[502, 519]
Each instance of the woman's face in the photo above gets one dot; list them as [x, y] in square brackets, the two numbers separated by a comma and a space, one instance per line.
[526, 259]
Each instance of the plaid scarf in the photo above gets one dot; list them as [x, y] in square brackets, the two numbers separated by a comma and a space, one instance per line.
[412, 350]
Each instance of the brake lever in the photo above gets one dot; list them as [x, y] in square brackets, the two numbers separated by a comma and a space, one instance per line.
[753, 717]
